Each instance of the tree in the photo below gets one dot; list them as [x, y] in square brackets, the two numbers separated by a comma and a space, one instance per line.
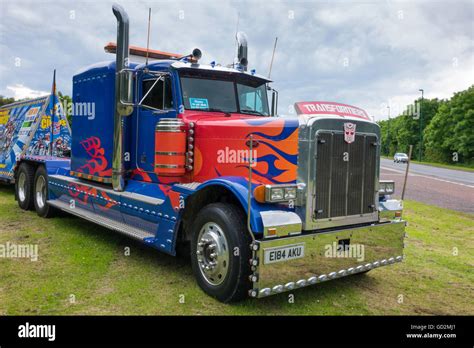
[5, 101]
[65, 101]
[450, 134]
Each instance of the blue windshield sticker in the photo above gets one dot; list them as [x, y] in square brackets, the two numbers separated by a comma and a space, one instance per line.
[198, 103]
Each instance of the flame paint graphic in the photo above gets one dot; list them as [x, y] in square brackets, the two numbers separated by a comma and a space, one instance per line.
[97, 164]
[83, 192]
[172, 196]
[278, 152]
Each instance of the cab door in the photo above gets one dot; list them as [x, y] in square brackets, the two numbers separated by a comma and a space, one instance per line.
[155, 101]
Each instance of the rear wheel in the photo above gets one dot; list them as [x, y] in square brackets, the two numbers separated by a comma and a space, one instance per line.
[24, 186]
[41, 194]
[220, 252]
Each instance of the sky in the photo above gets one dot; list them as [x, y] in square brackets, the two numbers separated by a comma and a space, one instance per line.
[371, 54]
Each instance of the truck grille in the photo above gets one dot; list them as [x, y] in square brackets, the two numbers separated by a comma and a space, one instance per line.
[344, 187]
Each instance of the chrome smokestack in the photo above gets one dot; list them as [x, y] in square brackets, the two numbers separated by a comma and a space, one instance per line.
[241, 50]
[118, 168]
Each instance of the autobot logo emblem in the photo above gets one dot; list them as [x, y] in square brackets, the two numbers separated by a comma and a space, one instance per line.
[349, 132]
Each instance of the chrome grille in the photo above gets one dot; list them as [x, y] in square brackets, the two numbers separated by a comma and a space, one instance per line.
[344, 187]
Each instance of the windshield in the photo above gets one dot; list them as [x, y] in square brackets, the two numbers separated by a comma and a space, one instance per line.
[205, 94]
[208, 93]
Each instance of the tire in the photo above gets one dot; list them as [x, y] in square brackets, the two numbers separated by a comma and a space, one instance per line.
[40, 194]
[24, 186]
[221, 225]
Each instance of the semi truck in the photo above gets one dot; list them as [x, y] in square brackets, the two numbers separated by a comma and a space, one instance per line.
[181, 153]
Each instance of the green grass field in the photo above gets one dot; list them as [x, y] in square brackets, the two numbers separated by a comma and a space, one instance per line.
[82, 261]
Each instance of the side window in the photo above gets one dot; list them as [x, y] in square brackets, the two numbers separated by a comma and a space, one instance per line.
[252, 99]
[160, 96]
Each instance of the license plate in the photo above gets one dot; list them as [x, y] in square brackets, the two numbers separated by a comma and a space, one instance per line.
[284, 253]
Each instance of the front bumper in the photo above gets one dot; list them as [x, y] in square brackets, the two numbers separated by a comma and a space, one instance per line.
[327, 255]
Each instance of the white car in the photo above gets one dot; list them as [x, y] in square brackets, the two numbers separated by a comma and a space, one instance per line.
[400, 157]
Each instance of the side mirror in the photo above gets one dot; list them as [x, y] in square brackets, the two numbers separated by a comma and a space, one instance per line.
[126, 91]
[274, 102]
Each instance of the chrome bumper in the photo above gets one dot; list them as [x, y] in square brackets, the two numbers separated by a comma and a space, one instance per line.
[382, 245]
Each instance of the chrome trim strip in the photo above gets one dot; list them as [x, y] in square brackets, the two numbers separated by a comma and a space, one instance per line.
[165, 153]
[169, 166]
[125, 194]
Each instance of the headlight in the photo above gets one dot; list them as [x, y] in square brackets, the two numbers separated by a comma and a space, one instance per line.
[277, 194]
[290, 193]
[386, 187]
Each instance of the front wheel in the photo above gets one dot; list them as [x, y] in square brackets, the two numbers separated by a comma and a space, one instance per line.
[42, 207]
[220, 252]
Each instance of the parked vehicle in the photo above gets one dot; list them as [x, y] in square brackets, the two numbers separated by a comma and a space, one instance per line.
[400, 157]
[184, 153]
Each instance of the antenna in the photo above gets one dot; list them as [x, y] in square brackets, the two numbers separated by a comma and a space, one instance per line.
[148, 36]
[273, 55]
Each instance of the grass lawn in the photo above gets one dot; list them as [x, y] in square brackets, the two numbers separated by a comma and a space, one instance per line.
[80, 260]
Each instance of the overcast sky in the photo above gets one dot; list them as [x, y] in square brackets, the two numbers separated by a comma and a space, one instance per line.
[364, 53]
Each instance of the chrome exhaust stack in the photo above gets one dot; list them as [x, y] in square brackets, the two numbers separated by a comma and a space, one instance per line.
[241, 58]
[123, 92]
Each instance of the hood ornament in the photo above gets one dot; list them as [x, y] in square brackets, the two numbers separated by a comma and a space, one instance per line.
[349, 132]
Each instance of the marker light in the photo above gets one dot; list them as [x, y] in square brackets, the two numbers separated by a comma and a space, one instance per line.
[259, 193]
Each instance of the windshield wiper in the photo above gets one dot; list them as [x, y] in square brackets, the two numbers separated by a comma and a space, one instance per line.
[252, 112]
[227, 113]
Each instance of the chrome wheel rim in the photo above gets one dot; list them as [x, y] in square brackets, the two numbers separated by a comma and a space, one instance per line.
[40, 191]
[22, 187]
[212, 253]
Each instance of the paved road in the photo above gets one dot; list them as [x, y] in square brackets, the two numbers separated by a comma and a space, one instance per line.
[457, 176]
[446, 188]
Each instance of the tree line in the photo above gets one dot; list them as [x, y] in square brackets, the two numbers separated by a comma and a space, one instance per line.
[447, 130]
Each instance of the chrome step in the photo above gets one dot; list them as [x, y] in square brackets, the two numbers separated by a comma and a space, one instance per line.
[120, 227]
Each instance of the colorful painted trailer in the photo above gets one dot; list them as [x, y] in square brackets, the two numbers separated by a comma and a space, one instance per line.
[26, 130]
